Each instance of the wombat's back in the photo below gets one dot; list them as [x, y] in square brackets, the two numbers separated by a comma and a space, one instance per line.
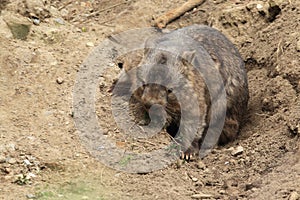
[214, 56]
[208, 63]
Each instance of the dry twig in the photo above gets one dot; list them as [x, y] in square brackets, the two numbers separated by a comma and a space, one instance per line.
[162, 21]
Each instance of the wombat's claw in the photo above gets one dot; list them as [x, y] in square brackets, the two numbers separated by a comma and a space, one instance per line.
[187, 156]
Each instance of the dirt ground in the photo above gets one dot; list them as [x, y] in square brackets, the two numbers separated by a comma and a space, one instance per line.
[41, 155]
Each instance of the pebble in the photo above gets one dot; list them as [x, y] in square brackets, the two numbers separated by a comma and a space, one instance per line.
[19, 30]
[201, 165]
[59, 80]
[59, 21]
[30, 196]
[27, 162]
[201, 196]
[294, 196]
[238, 151]
[194, 179]
[230, 149]
[11, 147]
[2, 159]
[36, 21]
[259, 6]
[7, 170]
[222, 192]
[90, 44]
[11, 161]
[31, 175]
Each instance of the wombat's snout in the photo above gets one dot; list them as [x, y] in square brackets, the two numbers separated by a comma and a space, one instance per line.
[154, 94]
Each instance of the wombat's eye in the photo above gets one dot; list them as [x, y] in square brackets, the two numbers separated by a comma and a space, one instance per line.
[120, 65]
[169, 91]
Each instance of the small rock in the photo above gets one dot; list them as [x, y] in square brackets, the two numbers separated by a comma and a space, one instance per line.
[30, 196]
[11, 161]
[36, 21]
[59, 21]
[230, 149]
[259, 6]
[7, 170]
[2, 159]
[222, 192]
[194, 179]
[19, 26]
[294, 196]
[255, 184]
[59, 80]
[64, 12]
[201, 165]
[238, 151]
[27, 162]
[298, 45]
[84, 29]
[31, 175]
[11, 147]
[90, 44]
[201, 196]
[178, 163]
[85, 197]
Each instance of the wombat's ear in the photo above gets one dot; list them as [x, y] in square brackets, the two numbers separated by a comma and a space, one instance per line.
[188, 56]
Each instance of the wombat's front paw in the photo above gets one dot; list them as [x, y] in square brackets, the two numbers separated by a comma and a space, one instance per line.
[192, 152]
[188, 156]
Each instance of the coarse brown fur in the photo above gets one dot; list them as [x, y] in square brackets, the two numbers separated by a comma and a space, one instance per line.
[166, 67]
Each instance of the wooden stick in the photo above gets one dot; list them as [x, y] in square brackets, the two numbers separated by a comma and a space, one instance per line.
[163, 20]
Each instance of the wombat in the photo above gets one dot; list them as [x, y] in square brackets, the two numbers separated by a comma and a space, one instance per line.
[197, 76]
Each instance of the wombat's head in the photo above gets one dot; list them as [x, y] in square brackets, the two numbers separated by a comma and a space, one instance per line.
[155, 86]
[157, 80]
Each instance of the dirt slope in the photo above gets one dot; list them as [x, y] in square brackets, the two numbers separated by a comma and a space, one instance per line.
[38, 138]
